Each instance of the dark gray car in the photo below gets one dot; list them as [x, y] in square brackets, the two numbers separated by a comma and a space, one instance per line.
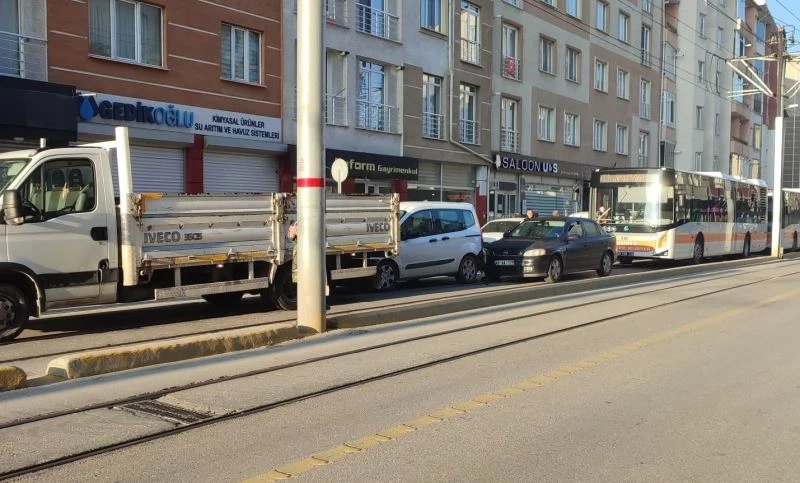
[551, 247]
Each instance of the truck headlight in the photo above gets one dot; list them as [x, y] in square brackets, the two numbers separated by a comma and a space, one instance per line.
[535, 252]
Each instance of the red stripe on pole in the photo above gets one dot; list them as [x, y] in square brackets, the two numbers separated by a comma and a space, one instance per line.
[310, 182]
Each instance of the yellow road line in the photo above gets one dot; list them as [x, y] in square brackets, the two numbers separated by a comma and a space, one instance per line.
[304, 465]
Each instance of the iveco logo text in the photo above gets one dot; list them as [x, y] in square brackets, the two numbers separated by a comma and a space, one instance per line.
[378, 227]
[151, 238]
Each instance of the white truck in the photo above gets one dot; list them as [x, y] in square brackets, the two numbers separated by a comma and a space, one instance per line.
[68, 241]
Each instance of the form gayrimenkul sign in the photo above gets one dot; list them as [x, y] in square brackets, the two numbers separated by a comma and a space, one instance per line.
[163, 116]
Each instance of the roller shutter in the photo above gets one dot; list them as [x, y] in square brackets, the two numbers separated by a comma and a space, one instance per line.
[429, 173]
[457, 175]
[239, 173]
[154, 170]
[544, 199]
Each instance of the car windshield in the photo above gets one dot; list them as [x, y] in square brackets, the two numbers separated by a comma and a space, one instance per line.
[500, 226]
[538, 229]
[9, 169]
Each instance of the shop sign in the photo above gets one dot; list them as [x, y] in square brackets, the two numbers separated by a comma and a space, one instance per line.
[374, 166]
[127, 111]
[525, 165]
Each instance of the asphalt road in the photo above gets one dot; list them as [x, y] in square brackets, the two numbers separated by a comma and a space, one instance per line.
[680, 382]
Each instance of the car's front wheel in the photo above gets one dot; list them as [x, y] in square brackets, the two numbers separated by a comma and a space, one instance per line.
[606, 262]
[554, 270]
[386, 276]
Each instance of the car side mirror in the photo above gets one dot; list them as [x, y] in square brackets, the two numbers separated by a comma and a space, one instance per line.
[572, 237]
[12, 208]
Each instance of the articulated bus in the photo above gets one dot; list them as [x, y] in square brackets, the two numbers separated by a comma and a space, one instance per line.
[790, 225]
[662, 213]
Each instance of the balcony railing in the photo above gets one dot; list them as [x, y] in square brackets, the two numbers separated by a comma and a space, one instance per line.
[22, 56]
[511, 67]
[468, 131]
[509, 140]
[377, 22]
[471, 51]
[432, 125]
[644, 110]
[515, 3]
[643, 160]
[377, 117]
[335, 110]
[336, 12]
[645, 57]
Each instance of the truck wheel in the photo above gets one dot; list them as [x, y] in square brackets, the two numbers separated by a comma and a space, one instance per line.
[224, 300]
[283, 291]
[13, 312]
[468, 269]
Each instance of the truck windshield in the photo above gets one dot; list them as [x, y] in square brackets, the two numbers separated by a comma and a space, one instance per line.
[636, 204]
[9, 169]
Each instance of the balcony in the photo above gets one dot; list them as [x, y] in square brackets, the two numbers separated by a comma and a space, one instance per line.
[468, 132]
[645, 57]
[432, 125]
[336, 12]
[335, 110]
[377, 117]
[511, 67]
[471, 51]
[22, 56]
[509, 140]
[377, 22]
[644, 110]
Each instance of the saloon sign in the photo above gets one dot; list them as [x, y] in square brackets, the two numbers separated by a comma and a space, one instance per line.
[532, 165]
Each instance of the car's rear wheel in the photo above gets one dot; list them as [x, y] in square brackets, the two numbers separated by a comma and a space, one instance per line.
[468, 269]
[606, 262]
[386, 276]
[554, 270]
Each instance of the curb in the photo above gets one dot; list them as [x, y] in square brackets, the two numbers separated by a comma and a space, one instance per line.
[12, 377]
[94, 363]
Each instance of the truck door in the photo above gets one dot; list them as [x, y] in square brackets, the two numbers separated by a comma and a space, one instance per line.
[64, 235]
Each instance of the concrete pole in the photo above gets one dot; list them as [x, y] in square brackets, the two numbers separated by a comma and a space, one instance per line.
[311, 280]
[777, 191]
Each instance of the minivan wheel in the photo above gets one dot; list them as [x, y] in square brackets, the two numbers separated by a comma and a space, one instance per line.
[468, 269]
[386, 276]
[794, 242]
[13, 312]
[746, 249]
[606, 263]
[554, 270]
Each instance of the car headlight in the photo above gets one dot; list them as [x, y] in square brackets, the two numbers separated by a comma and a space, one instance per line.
[535, 252]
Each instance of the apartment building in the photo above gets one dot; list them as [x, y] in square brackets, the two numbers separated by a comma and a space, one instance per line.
[791, 132]
[197, 83]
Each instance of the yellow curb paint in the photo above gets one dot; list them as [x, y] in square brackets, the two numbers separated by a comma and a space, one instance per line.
[333, 454]
[467, 406]
[299, 467]
[395, 432]
[537, 381]
[526, 385]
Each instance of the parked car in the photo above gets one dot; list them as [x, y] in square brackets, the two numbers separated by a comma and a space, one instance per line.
[551, 247]
[494, 230]
[436, 238]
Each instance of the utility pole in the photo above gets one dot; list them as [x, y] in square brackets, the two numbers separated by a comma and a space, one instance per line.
[777, 170]
[311, 279]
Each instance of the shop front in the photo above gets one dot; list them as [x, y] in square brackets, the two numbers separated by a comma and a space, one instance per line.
[177, 148]
[33, 111]
[442, 181]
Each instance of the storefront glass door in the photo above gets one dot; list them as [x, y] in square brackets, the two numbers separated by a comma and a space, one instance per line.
[502, 204]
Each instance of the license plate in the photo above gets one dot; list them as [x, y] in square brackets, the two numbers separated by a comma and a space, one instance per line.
[626, 254]
[504, 262]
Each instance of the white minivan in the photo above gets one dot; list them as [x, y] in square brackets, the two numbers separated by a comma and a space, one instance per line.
[436, 238]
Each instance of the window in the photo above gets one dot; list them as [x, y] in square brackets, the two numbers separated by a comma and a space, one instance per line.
[431, 15]
[335, 89]
[599, 142]
[509, 135]
[622, 139]
[470, 33]
[417, 225]
[510, 57]
[623, 90]
[373, 113]
[125, 30]
[572, 129]
[644, 149]
[58, 188]
[374, 17]
[670, 61]
[624, 27]
[647, 6]
[546, 48]
[241, 54]
[573, 8]
[601, 75]
[718, 82]
[701, 71]
[702, 26]
[601, 18]
[668, 108]
[644, 99]
[738, 88]
[698, 117]
[552, 3]
[547, 128]
[698, 161]
[716, 124]
[740, 9]
[432, 118]
[468, 114]
[738, 44]
[645, 45]
[515, 3]
[757, 136]
[720, 35]
[572, 65]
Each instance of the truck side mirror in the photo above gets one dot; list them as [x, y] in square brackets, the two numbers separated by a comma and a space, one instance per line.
[12, 208]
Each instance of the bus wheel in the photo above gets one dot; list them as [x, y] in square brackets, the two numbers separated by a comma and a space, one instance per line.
[746, 249]
[698, 252]
[794, 242]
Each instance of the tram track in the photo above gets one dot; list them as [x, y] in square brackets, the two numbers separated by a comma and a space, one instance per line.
[55, 462]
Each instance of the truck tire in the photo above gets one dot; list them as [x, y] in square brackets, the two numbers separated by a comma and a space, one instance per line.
[14, 311]
[224, 300]
[283, 291]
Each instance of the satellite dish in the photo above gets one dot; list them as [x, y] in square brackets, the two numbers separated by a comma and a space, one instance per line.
[339, 171]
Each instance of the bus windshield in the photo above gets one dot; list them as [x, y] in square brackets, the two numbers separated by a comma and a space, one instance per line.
[636, 204]
[9, 169]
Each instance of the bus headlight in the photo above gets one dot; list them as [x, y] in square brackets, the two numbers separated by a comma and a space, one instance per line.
[535, 252]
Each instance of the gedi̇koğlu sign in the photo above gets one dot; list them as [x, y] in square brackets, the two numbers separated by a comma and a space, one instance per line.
[117, 110]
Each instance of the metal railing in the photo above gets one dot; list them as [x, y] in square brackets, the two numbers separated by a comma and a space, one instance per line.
[336, 12]
[432, 125]
[471, 51]
[335, 110]
[510, 67]
[377, 22]
[509, 140]
[22, 56]
[515, 3]
[644, 110]
[645, 56]
[643, 160]
[468, 131]
[377, 117]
